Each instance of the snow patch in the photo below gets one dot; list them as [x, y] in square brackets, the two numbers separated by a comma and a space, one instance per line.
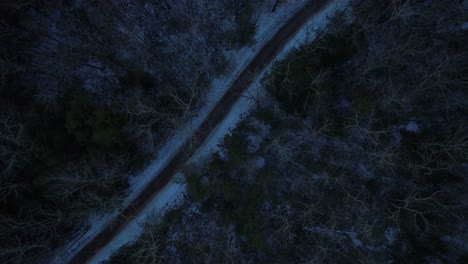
[168, 197]
[412, 127]
[259, 162]
[391, 234]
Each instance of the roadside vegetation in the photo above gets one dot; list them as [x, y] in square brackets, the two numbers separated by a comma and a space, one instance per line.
[357, 154]
[88, 92]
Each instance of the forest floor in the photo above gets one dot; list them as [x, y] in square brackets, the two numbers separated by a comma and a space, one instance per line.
[160, 187]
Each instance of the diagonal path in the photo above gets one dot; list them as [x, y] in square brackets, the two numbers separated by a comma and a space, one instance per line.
[263, 57]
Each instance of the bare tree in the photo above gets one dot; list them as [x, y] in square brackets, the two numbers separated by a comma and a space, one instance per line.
[284, 234]
[403, 10]
[365, 127]
[21, 252]
[145, 117]
[14, 152]
[442, 155]
[78, 185]
[419, 208]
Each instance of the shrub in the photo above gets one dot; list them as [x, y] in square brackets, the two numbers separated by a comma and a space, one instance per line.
[236, 149]
[106, 126]
[297, 81]
[194, 185]
[245, 30]
[136, 78]
[93, 126]
[246, 24]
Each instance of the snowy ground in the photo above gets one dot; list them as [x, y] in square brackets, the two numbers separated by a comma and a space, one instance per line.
[267, 24]
[306, 34]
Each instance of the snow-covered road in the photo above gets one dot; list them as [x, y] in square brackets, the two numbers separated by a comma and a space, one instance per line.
[269, 24]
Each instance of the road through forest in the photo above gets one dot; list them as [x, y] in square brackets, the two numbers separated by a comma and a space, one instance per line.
[263, 58]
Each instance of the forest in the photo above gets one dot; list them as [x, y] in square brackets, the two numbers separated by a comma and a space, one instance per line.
[89, 90]
[356, 152]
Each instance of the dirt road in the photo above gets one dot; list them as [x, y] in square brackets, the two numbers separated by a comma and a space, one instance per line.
[264, 56]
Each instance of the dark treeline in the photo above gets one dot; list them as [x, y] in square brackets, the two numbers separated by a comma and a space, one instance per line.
[88, 91]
